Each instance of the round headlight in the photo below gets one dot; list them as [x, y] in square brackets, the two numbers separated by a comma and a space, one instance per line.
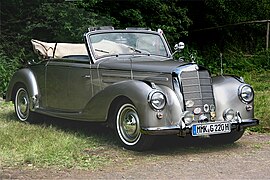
[246, 93]
[157, 100]
[228, 114]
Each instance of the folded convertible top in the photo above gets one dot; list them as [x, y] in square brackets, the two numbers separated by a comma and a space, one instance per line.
[57, 50]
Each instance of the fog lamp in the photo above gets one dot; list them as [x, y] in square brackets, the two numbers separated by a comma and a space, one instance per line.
[228, 114]
[188, 117]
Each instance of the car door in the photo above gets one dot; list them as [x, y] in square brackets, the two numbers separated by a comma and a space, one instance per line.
[69, 84]
[56, 84]
[80, 86]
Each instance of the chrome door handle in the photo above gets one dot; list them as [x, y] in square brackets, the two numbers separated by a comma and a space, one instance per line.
[86, 76]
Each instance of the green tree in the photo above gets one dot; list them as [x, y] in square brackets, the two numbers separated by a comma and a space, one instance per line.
[248, 38]
[22, 20]
[154, 14]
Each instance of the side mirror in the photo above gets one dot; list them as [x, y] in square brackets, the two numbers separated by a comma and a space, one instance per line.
[180, 46]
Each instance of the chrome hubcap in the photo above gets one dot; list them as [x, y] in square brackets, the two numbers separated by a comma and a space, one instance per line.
[22, 104]
[128, 124]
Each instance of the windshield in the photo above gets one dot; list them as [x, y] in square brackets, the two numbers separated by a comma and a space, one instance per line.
[123, 43]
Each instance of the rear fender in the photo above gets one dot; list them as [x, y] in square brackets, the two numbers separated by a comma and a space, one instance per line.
[27, 78]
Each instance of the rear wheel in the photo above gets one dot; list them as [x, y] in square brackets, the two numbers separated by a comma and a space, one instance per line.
[127, 126]
[22, 104]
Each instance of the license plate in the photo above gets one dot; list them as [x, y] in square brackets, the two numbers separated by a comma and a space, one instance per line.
[210, 128]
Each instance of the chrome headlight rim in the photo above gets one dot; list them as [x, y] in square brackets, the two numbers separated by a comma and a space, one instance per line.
[153, 99]
[244, 89]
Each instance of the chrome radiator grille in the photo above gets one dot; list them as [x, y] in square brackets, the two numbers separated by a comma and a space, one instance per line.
[197, 87]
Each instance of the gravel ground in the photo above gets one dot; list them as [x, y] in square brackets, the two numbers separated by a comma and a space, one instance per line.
[248, 158]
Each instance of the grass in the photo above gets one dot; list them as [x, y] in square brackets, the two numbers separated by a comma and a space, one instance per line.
[59, 144]
[260, 81]
[44, 145]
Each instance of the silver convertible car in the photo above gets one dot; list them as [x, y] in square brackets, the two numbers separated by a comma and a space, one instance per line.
[129, 80]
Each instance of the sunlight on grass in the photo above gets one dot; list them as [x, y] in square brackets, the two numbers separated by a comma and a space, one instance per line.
[41, 146]
[44, 145]
[260, 81]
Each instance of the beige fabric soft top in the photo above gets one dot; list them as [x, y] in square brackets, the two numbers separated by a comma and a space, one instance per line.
[57, 50]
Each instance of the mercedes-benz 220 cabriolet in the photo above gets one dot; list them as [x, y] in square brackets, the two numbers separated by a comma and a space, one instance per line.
[130, 80]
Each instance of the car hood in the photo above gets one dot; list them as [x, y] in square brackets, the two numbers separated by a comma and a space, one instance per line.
[141, 63]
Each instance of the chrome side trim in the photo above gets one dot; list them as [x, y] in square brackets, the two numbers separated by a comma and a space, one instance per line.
[161, 130]
[113, 76]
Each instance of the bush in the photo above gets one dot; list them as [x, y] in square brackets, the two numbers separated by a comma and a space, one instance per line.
[232, 62]
[8, 65]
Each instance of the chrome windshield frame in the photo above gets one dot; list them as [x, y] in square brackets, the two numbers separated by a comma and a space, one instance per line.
[94, 58]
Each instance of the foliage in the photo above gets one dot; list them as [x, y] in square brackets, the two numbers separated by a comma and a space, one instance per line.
[44, 20]
[167, 15]
[63, 22]
[8, 65]
[248, 38]
[241, 47]
[233, 63]
[237, 11]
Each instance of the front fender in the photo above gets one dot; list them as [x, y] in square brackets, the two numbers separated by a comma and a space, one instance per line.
[26, 77]
[225, 90]
[137, 92]
[97, 108]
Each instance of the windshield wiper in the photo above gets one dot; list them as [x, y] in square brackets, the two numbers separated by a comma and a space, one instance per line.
[135, 49]
[144, 51]
[100, 50]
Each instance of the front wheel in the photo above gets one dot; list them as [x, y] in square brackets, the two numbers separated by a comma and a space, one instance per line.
[127, 126]
[22, 105]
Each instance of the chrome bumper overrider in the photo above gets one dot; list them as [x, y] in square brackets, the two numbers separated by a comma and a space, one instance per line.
[244, 123]
[235, 125]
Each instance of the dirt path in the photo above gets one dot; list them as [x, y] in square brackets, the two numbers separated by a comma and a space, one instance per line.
[249, 158]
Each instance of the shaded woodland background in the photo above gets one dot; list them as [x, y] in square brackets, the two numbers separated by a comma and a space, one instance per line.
[243, 47]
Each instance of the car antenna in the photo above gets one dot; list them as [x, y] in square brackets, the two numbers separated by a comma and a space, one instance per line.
[131, 68]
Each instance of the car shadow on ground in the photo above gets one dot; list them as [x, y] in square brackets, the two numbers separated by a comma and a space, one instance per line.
[163, 144]
[189, 145]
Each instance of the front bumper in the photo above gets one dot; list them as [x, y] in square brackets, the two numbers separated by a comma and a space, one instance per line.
[177, 129]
